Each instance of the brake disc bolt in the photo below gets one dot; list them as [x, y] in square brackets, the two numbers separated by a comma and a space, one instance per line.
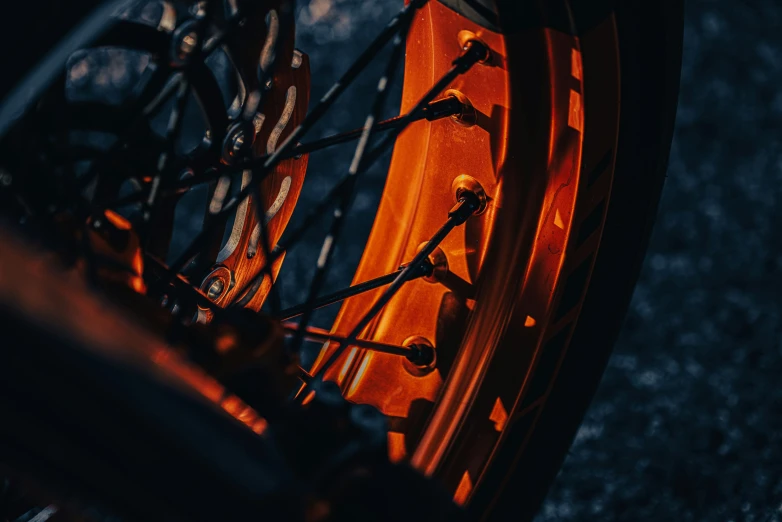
[237, 142]
[216, 288]
[217, 283]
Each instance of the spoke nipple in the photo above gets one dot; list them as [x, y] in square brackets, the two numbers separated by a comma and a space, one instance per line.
[422, 359]
[435, 266]
[474, 49]
[238, 141]
[217, 283]
[467, 115]
[468, 189]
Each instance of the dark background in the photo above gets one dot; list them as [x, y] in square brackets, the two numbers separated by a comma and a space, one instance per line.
[687, 424]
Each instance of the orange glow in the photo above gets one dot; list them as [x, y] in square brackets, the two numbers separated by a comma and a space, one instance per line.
[558, 220]
[117, 220]
[260, 426]
[396, 447]
[427, 159]
[225, 342]
[359, 374]
[308, 399]
[531, 181]
[463, 490]
[106, 331]
[575, 64]
[576, 114]
[346, 365]
[498, 415]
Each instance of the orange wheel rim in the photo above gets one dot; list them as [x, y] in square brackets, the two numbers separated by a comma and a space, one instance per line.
[523, 147]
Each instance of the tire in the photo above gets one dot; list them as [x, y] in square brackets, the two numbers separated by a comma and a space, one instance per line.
[649, 41]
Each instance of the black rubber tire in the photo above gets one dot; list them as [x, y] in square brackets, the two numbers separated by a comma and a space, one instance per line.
[650, 48]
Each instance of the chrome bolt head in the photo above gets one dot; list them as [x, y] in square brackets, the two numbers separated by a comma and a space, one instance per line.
[216, 288]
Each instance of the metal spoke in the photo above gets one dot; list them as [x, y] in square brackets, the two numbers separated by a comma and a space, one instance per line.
[294, 237]
[357, 167]
[174, 85]
[177, 82]
[475, 52]
[436, 110]
[304, 375]
[425, 269]
[321, 336]
[158, 269]
[266, 271]
[310, 120]
[193, 54]
[172, 133]
[468, 204]
[391, 30]
[449, 106]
